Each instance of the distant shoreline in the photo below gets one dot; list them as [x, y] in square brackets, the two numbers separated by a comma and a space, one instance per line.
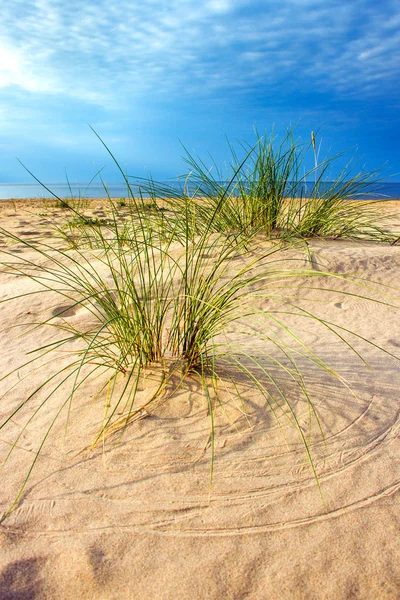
[19, 191]
[52, 199]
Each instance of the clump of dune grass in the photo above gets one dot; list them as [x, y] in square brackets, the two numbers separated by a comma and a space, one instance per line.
[152, 302]
[338, 208]
[267, 188]
[160, 293]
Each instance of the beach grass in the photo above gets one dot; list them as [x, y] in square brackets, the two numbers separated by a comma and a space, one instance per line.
[174, 289]
[266, 187]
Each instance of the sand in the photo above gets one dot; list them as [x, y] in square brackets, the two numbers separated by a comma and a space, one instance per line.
[138, 520]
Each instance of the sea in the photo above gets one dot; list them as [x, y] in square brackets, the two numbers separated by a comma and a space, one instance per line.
[382, 191]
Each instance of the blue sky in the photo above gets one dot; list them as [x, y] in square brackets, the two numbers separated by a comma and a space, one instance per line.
[149, 74]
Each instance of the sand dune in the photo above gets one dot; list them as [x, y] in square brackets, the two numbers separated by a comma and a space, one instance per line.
[138, 520]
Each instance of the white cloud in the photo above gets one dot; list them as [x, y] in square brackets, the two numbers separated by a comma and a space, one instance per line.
[17, 70]
[110, 53]
[219, 6]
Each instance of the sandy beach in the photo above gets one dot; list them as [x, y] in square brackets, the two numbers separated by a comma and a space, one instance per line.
[137, 519]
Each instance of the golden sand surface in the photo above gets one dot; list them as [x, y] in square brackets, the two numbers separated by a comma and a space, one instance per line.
[138, 520]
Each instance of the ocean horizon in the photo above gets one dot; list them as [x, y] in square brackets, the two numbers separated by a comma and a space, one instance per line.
[15, 191]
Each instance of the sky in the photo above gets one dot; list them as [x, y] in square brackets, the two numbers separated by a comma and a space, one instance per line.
[154, 76]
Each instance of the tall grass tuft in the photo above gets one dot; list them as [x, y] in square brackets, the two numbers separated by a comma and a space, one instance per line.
[269, 189]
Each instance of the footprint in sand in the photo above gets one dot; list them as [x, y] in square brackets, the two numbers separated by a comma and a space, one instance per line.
[65, 311]
[395, 343]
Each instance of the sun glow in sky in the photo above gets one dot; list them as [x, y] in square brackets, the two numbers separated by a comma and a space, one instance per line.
[150, 75]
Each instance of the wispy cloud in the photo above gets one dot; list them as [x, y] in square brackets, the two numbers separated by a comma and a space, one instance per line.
[157, 71]
[107, 52]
